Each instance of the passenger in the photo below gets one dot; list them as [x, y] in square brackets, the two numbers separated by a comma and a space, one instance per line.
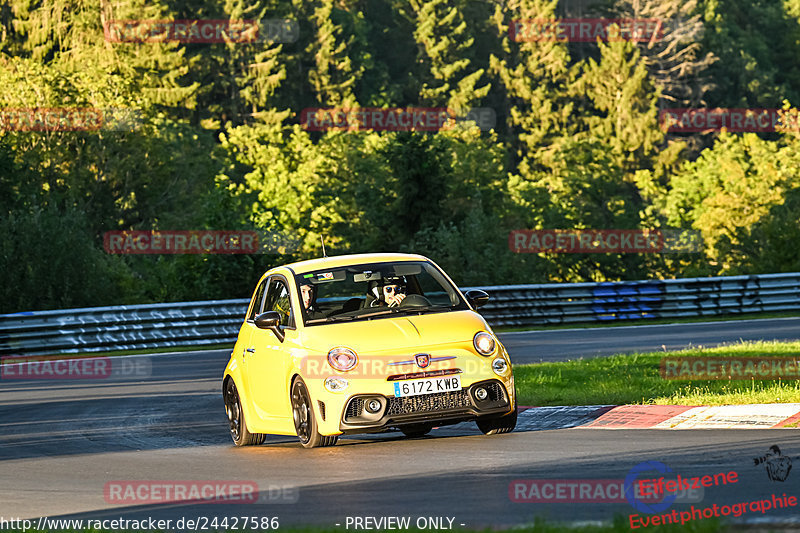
[308, 294]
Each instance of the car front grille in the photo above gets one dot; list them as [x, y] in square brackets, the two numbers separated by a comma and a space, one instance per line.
[428, 402]
[354, 408]
[356, 413]
[495, 390]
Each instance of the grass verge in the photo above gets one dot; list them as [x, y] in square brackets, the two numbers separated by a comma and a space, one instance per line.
[636, 379]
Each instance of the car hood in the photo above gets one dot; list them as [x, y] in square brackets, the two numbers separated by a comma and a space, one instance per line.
[396, 334]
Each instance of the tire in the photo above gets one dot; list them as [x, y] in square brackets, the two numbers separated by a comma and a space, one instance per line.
[503, 424]
[417, 430]
[305, 423]
[238, 427]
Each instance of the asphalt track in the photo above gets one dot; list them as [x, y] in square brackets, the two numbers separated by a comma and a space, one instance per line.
[62, 441]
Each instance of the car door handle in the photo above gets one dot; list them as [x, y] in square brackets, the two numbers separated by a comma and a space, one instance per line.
[251, 350]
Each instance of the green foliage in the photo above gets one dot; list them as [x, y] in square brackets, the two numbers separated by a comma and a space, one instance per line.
[757, 44]
[219, 146]
[445, 44]
[740, 195]
[619, 103]
[366, 191]
[50, 260]
[533, 76]
[336, 73]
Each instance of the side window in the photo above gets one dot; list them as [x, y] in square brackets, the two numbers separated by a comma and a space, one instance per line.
[278, 300]
[258, 299]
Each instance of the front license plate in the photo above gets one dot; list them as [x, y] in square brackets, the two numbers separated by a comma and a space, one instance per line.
[415, 387]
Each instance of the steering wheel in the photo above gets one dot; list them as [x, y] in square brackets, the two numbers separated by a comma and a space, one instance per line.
[415, 300]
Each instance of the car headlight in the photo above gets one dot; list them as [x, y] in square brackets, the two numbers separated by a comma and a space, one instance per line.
[484, 343]
[342, 359]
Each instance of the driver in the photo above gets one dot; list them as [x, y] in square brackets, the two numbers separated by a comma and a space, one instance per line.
[394, 291]
[391, 293]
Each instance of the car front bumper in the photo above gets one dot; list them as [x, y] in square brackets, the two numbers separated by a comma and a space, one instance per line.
[438, 408]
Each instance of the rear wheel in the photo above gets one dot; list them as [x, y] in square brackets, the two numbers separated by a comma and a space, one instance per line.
[233, 408]
[305, 423]
[503, 424]
[417, 430]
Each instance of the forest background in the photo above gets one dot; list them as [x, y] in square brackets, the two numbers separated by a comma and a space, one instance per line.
[219, 144]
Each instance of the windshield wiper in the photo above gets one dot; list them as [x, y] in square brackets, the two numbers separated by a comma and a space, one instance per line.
[434, 308]
[411, 310]
[336, 318]
[390, 311]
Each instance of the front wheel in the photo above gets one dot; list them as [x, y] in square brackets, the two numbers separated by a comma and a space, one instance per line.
[233, 408]
[503, 424]
[305, 423]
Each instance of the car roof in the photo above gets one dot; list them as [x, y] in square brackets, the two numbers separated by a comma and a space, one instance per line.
[301, 267]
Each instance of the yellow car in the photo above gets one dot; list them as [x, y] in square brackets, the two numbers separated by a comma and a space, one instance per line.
[361, 344]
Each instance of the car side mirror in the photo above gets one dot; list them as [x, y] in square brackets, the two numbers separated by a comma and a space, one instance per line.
[477, 298]
[270, 320]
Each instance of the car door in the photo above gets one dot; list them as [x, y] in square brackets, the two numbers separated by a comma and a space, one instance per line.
[244, 345]
[267, 356]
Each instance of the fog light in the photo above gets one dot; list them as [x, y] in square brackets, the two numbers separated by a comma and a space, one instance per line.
[499, 366]
[373, 406]
[336, 384]
[481, 394]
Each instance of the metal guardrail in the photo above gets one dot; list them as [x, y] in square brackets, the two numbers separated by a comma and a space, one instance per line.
[123, 327]
[563, 303]
[131, 327]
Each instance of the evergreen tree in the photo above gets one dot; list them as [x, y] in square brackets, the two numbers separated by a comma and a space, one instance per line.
[673, 53]
[337, 64]
[445, 46]
[758, 44]
[617, 103]
[72, 37]
[533, 75]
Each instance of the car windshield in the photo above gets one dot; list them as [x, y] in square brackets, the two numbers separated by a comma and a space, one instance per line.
[375, 290]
